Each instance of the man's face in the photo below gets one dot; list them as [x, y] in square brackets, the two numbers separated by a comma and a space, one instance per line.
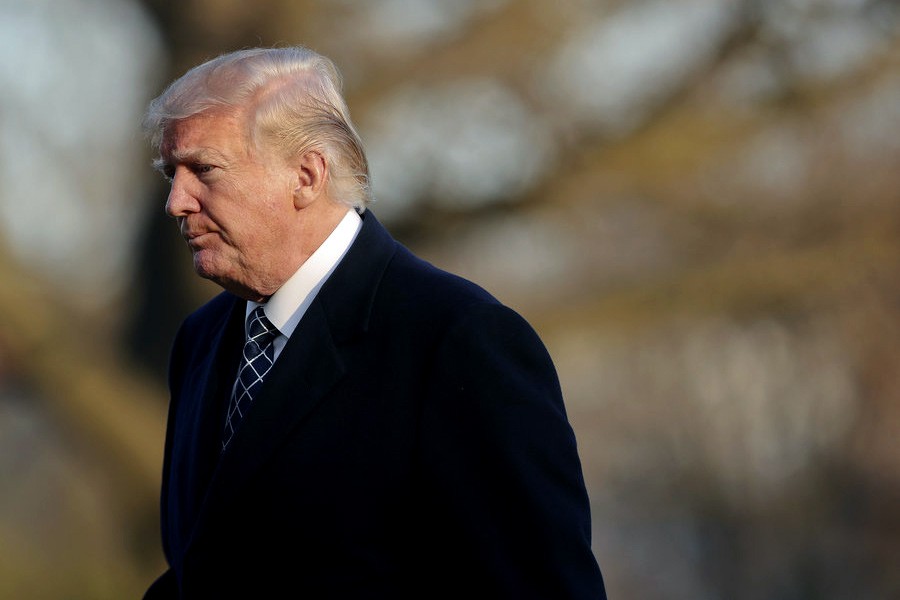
[233, 203]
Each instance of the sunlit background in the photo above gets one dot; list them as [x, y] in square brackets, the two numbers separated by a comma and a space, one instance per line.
[695, 202]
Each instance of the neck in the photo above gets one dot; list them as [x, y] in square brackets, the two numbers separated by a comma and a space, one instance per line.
[313, 226]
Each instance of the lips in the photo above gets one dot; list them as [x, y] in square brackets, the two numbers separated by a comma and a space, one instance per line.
[197, 239]
[196, 233]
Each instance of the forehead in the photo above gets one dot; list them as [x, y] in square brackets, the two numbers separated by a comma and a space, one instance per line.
[221, 133]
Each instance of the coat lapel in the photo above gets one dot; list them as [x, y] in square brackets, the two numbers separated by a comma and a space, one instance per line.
[303, 374]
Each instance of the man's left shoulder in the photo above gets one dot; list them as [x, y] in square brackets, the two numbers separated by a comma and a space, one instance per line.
[429, 283]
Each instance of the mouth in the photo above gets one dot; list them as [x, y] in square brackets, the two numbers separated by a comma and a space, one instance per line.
[195, 239]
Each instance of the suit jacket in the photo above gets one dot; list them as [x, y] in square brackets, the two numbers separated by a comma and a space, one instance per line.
[410, 441]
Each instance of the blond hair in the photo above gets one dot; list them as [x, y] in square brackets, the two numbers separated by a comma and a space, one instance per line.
[295, 104]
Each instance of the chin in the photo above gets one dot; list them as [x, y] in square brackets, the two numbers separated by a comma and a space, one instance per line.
[206, 268]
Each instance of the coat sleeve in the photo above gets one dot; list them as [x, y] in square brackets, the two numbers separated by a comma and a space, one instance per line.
[506, 490]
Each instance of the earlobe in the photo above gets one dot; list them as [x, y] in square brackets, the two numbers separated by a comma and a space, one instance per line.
[301, 193]
[312, 174]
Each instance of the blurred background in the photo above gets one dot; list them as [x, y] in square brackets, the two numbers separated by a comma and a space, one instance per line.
[695, 203]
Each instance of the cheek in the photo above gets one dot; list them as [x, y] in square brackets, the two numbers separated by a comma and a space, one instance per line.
[271, 220]
[258, 214]
[277, 202]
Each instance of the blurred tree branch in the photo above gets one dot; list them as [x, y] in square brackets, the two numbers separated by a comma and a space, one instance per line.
[85, 384]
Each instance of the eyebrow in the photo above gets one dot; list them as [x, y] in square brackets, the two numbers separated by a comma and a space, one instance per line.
[191, 156]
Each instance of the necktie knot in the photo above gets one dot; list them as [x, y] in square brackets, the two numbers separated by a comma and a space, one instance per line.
[259, 328]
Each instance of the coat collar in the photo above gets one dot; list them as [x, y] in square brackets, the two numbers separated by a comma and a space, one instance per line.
[348, 295]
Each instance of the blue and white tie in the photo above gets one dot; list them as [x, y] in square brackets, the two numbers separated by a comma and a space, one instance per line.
[257, 360]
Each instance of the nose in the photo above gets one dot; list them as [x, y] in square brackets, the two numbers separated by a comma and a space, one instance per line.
[181, 201]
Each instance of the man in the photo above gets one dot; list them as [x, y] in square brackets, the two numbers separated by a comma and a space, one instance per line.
[346, 420]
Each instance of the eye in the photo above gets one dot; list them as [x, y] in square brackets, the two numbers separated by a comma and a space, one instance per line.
[202, 169]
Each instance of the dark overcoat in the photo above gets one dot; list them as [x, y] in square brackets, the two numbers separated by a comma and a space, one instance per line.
[410, 442]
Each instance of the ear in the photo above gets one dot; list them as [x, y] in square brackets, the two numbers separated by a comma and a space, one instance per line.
[312, 176]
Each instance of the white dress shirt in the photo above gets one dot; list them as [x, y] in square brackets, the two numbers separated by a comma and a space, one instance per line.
[287, 306]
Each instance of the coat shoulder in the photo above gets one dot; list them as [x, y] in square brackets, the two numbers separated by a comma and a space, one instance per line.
[412, 280]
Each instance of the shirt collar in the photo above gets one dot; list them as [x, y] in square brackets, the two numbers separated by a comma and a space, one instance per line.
[288, 305]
